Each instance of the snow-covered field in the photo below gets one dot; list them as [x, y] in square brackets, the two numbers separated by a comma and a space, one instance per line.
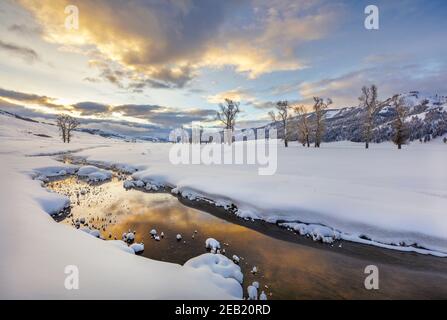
[36, 250]
[380, 196]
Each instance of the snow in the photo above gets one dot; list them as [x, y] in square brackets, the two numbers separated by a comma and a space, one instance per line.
[220, 265]
[93, 232]
[252, 293]
[129, 237]
[212, 244]
[128, 184]
[137, 247]
[36, 250]
[94, 174]
[121, 245]
[262, 296]
[382, 194]
[317, 232]
[54, 171]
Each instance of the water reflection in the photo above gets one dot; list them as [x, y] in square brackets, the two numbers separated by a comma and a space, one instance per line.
[286, 270]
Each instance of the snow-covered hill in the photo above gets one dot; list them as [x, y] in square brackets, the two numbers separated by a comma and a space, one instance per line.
[427, 119]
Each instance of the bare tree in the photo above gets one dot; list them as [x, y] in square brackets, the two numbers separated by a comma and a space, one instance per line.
[66, 125]
[368, 100]
[303, 125]
[320, 105]
[62, 125]
[72, 124]
[282, 116]
[400, 128]
[227, 115]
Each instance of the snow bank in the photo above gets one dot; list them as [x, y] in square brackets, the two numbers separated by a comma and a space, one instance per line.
[221, 266]
[54, 171]
[121, 245]
[392, 197]
[93, 232]
[94, 174]
[317, 232]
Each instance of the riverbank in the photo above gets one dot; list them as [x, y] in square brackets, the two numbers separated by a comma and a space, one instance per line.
[288, 266]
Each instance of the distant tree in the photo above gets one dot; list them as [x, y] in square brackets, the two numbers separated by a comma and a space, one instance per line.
[400, 136]
[320, 105]
[73, 123]
[282, 115]
[303, 125]
[61, 123]
[66, 125]
[368, 100]
[227, 115]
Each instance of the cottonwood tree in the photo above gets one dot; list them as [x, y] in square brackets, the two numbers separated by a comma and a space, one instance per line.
[282, 116]
[401, 134]
[227, 115]
[66, 125]
[61, 124]
[303, 125]
[320, 105]
[368, 100]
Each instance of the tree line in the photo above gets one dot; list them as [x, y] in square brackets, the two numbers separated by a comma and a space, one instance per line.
[311, 125]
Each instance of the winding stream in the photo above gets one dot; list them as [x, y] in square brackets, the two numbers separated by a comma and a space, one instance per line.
[289, 266]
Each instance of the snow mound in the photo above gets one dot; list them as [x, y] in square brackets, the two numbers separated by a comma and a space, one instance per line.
[54, 171]
[137, 247]
[128, 184]
[94, 174]
[252, 293]
[217, 263]
[212, 244]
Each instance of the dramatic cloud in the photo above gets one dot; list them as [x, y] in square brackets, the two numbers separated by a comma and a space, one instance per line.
[25, 30]
[25, 53]
[164, 43]
[31, 99]
[390, 79]
[137, 111]
[91, 108]
[151, 115]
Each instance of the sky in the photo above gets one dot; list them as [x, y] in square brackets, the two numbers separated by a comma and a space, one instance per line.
[155, 64]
